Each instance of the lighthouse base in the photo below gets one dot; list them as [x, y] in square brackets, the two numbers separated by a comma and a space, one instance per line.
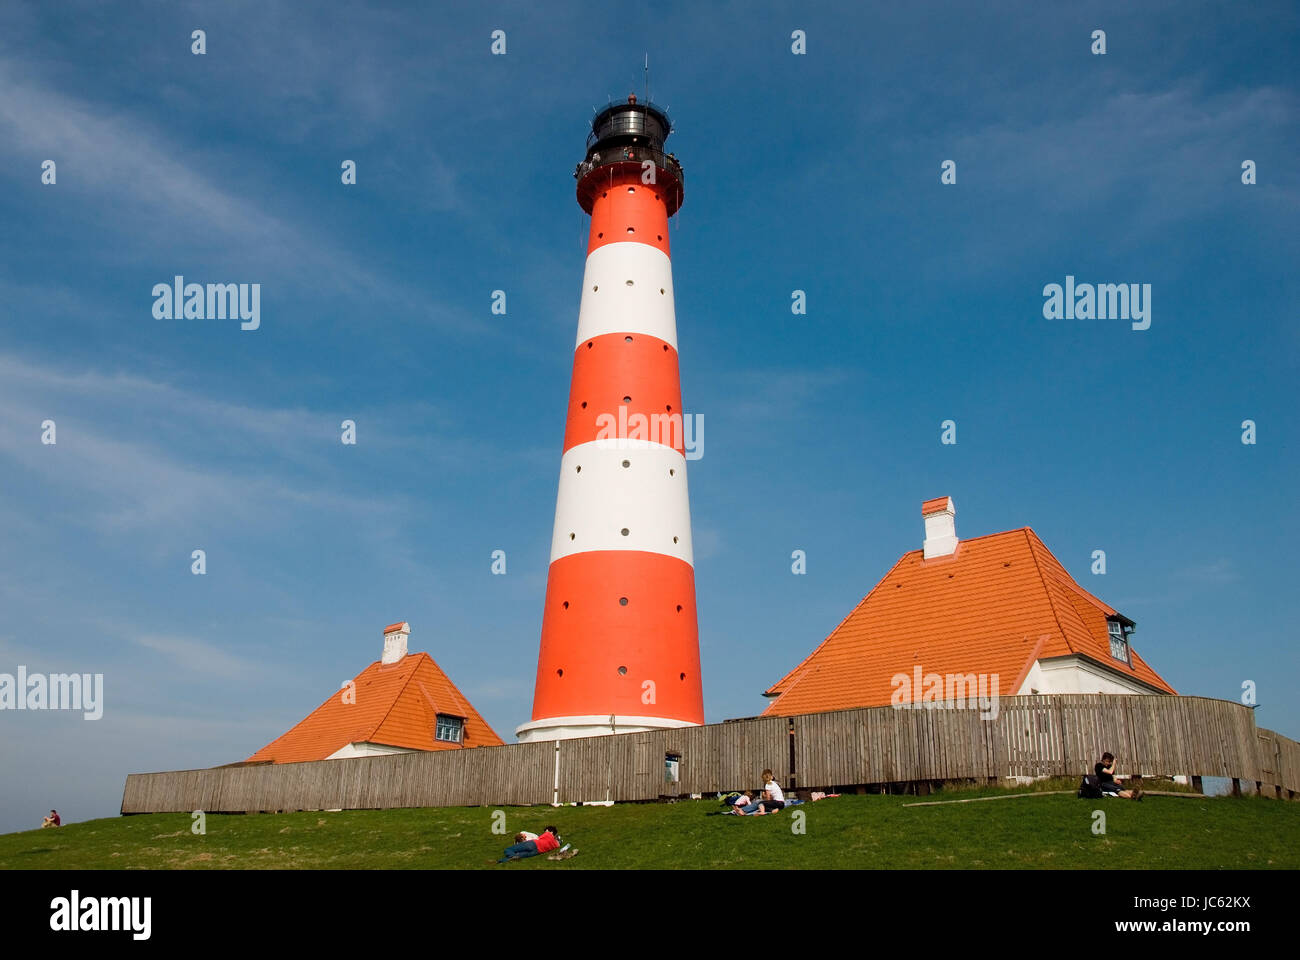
[569, 728]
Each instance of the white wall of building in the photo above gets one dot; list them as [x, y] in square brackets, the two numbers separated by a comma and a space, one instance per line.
[363, 749]
[1076, 674]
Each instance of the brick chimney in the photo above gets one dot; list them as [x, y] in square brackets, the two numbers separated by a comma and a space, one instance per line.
[395, 637]
[940, 516]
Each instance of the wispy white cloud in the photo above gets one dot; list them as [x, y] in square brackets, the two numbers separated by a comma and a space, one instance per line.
[763, 396]
[1213, 573]
[120, 156]
[196, 656]
[157, 195]
[140, 452]
[1176, 142]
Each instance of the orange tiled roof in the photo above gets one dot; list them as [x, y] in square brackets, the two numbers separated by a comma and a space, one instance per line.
[394, 627]
[935, 505]
[396, 704]
[995, 606]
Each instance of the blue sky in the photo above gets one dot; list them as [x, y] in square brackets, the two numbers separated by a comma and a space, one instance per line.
[817, 172]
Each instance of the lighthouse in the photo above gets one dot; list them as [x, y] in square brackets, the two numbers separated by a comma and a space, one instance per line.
[620, 642]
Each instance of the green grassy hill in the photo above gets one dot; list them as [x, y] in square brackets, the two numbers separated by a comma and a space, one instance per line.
[1045, 831]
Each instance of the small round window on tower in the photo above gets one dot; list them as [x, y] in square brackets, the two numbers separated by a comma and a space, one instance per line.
[622, 671]
[624, 531]
[622, 601]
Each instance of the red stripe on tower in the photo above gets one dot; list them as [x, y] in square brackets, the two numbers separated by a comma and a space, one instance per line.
[620, 642]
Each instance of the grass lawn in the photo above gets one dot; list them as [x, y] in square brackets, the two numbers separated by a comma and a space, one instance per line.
[1045, 831]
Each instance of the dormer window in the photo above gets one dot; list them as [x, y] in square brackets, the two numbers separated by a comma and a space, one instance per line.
[1119, 641]
[450, 729]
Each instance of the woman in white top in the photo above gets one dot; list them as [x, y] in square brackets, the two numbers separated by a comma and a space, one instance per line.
[773, 798]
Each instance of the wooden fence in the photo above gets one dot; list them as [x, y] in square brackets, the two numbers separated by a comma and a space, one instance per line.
[1023, 736]
[1036, 736]
[1279, 762]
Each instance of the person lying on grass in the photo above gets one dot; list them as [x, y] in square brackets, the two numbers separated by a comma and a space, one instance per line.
[531, 844]
[1105, 770]
[773, 799]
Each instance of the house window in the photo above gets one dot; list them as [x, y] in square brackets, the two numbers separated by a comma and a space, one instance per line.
[1118, 641]
[450, 729]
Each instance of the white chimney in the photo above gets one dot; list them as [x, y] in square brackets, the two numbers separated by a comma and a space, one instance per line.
[940, 516]
[395, 637]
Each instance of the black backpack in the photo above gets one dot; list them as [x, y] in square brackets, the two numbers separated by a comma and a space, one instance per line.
[1090, 787]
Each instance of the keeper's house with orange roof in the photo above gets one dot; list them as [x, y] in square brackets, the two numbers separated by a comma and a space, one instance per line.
[401, 703]
[999, 607]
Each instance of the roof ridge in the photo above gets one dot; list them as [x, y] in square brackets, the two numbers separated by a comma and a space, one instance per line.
[1030, 537]
[465, 701]
[427, 695]
[312, 712]
[797, 668]
[982, 536]
[1107, 610]
[398, 695]
[1028, 664]
[1088, 595]
[1140, 659]
[1066, 580]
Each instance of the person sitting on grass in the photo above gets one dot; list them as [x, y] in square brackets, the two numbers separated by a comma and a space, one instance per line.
[531, 844]
[1105, 770]
[52, 820]
[773, 799]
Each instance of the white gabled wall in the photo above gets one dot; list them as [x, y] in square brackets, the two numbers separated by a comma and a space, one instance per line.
[1075, 674]
[364, 749]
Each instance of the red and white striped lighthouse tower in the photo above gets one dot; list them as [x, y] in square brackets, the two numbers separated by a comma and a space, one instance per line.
[620, 645]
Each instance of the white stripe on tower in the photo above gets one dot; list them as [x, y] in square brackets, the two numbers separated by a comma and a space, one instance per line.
[610, 305]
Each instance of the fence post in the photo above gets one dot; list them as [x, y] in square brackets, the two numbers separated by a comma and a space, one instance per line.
[1058, 714]
[555, 792]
